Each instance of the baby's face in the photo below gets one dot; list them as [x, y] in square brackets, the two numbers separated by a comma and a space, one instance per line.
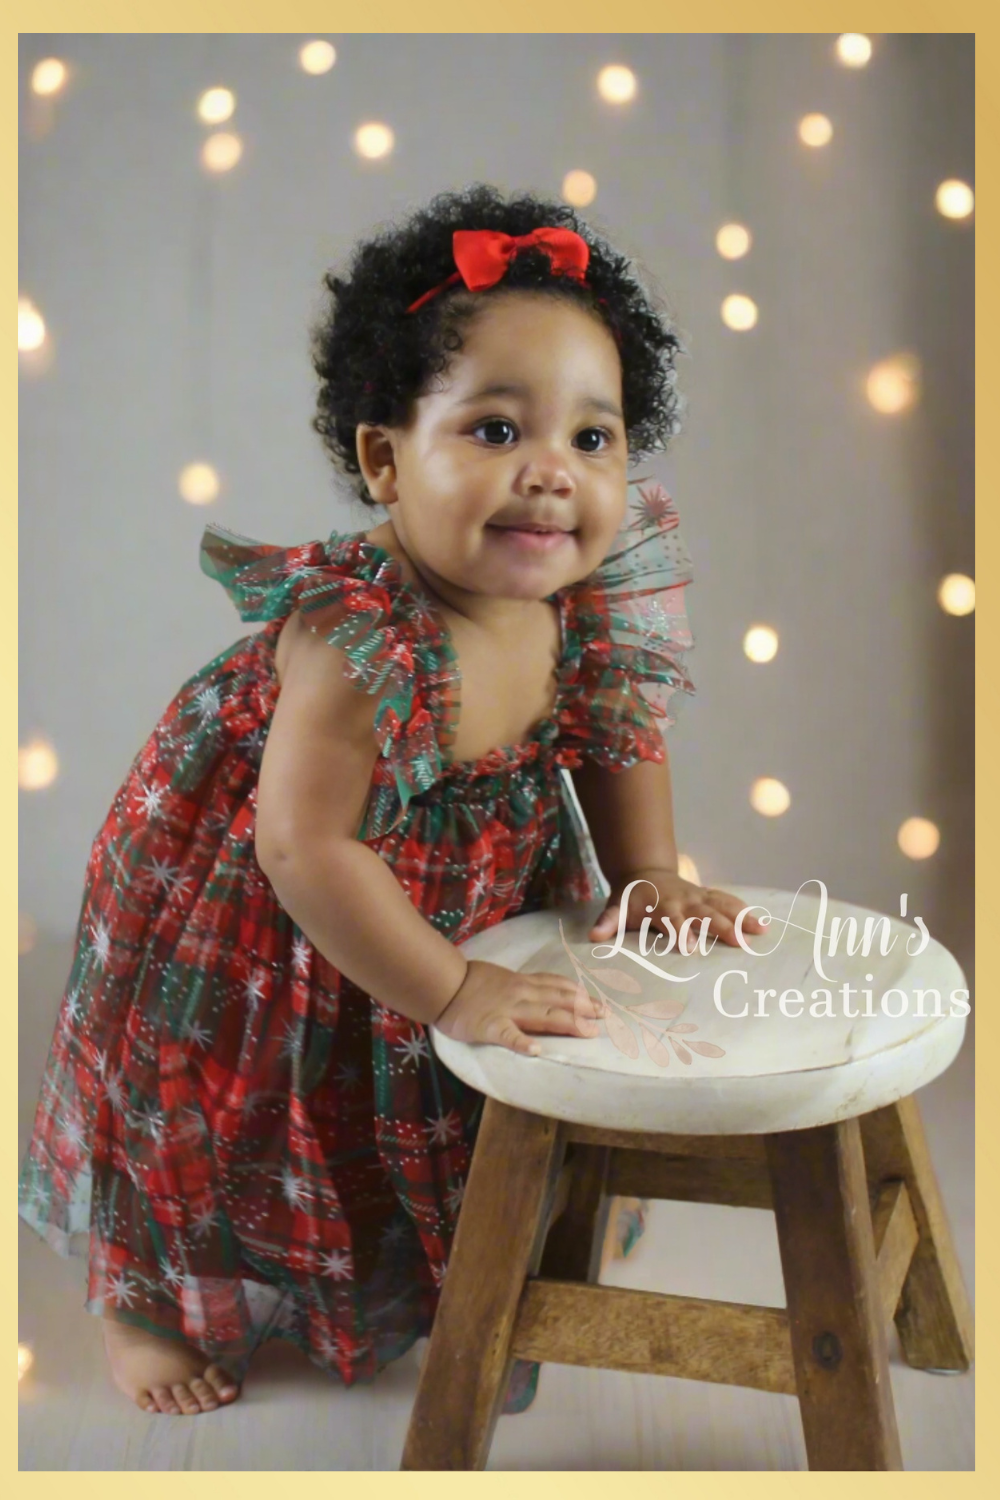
[476, 459]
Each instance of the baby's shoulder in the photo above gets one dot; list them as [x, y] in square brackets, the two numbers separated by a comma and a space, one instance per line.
[299, 635]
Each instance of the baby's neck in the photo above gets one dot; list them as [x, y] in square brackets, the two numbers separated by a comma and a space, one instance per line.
[502, 618]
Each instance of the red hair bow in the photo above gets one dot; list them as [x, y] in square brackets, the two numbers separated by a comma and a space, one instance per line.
[483, 255]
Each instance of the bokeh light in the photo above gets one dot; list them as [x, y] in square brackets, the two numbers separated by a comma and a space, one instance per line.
[27, 933]
[769, 797]
[25, 1360]
[893, 385]
[30, 325]
[761, 643]
[317, 57]
[373, 140]
[48, 76]
[954, 199]
[198, 483]
[732, 241]
[216, 105]
[854, 49]
[616, 84]
[815, 130]
[221, 151]
[579, 188]
[688, 870]
[918, 838]
[739, 312]
[37, 765]
[957, 594]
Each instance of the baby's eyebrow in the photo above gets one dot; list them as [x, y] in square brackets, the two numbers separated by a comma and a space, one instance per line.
[514, 388]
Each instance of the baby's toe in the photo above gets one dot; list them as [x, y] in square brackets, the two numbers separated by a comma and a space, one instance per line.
[205, 1394]
[164, 1400]
[222, 1382]
[146, 1401]
[188, 1404]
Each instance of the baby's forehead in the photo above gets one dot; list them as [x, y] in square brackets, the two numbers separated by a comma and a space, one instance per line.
[522, 347]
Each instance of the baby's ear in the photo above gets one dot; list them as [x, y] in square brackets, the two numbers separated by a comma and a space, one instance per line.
[377, 459]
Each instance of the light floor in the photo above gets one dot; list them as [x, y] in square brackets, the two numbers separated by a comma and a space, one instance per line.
[292, 1416]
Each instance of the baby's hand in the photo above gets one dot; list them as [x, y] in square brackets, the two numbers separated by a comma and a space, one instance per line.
[677, 899]
[499, 1006]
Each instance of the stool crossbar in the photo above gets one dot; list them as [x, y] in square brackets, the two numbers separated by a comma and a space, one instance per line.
[863, 1238]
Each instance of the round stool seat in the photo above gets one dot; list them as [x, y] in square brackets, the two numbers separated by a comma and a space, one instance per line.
[695, 1045]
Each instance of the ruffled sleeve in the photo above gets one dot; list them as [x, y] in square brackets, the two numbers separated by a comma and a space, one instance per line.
[628, 632]
[391, 641]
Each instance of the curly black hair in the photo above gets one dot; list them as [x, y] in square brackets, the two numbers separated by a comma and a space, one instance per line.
[373, 359]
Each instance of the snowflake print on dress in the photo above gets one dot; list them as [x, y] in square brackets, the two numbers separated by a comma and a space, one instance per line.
[413, 1048]
[445, 1127]
[101, 943]
[72, 1132]
[151, 799]
[301, 955]
[72, 1007]
[337, 1263]
[205, 1220]
[172, 1277]
[115, 1091]
[192, 1032]
[295, 1190]
[244, 1143]
[122, 1290]
[349, 1075]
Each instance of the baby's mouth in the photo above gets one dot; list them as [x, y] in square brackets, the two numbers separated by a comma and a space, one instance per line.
[530, 538]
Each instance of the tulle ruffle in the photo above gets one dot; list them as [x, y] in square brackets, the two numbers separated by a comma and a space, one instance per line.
[629, 629]
[391, 638]
[625, 635]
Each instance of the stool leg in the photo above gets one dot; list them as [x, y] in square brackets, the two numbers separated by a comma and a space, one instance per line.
[934, 1318]
[574, 1246]
[498, 1243]
[838, 1338]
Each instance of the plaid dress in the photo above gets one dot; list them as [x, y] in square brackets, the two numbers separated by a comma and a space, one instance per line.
[243, 1142]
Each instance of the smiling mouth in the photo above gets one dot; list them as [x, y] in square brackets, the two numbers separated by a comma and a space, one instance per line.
[533, 530]
[528, 540]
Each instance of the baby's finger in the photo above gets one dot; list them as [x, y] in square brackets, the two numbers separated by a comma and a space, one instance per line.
[557, 989]
[606, 922]
[731, 905]
[503, 1032]
[718, 923]
[558, 1020]
[677, 916]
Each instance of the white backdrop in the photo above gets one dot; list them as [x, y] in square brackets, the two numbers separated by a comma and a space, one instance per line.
[179, 303]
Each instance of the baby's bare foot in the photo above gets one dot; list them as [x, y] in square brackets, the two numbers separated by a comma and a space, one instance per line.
[160, 1374]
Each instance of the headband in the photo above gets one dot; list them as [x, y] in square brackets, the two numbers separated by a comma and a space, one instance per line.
[483, 255]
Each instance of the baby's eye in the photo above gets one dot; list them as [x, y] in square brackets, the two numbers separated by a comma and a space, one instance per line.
[493, 422]
[601, 432]
[505, 422]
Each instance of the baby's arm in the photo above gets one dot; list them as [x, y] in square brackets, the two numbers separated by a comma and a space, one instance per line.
[314, 782]
[631, 820]
[630, 815]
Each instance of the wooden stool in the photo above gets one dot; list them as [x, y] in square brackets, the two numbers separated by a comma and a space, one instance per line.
[812, 1117]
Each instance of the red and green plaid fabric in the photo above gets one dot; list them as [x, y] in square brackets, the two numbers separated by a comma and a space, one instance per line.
[248, 1144]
